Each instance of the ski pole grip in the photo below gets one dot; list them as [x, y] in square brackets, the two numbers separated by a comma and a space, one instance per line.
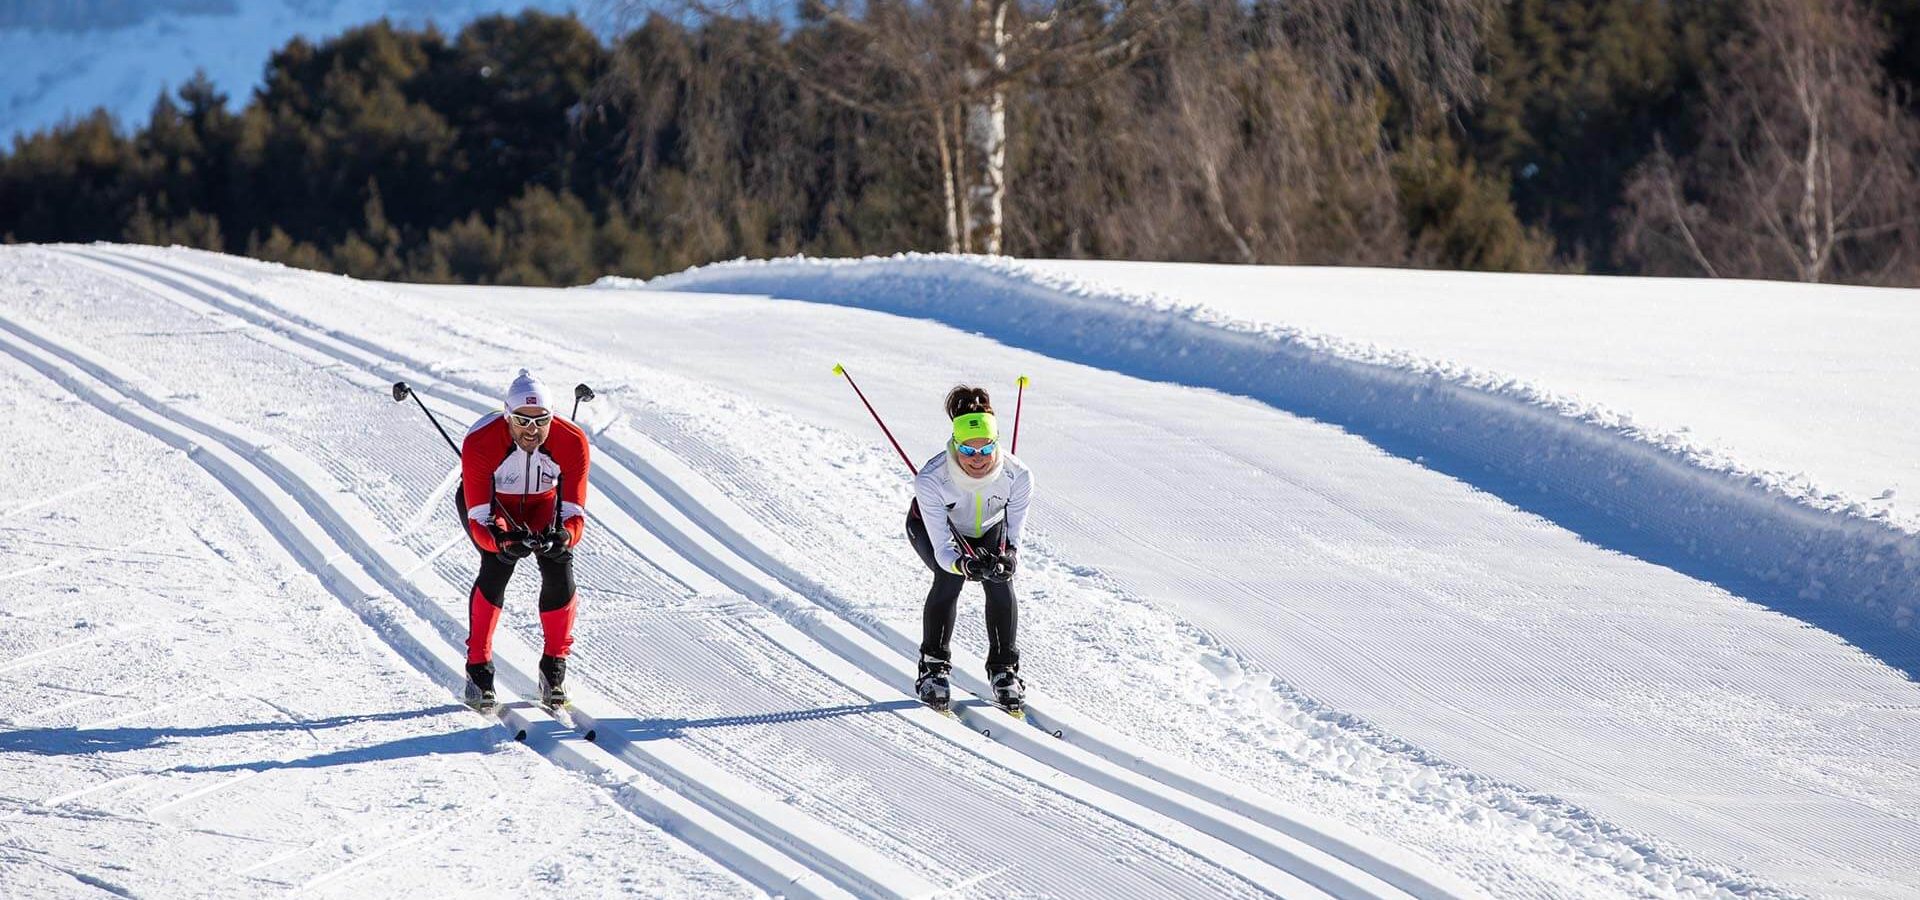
[401, 391]
[1018, 398]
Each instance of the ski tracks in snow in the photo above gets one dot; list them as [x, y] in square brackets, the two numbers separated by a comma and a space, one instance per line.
[315, 533]
[279, 485]
[1259, 874]
[716, 547]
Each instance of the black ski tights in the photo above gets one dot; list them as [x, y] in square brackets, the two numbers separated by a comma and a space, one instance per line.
[943, 601]
[556, 577]
[556, 581]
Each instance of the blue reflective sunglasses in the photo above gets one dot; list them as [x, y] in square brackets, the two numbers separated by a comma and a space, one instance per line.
[987, 450]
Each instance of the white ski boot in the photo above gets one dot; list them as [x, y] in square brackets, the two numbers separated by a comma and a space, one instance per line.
[932, 685]
[1010, 692]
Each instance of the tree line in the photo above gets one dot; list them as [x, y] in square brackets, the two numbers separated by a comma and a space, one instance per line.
[1758, 138]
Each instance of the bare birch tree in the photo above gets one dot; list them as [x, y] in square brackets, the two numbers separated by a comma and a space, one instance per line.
[1252, 133]
[965, 58]
[1807, 168]
[957, 65]
[950, 64]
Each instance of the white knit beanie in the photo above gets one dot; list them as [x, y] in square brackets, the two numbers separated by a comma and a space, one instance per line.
[527, 391]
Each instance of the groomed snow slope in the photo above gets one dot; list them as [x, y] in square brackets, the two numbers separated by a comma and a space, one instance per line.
[1704, 716]
[1574, 397]
[1808, 389]
[799, 769]
[1366, 678]
[184, 710]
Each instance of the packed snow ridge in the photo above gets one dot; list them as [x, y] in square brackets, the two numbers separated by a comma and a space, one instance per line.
[1656, 494]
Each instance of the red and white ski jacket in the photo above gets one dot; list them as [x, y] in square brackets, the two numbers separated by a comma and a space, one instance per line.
[504, 487]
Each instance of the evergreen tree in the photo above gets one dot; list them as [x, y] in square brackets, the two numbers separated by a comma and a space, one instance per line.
[1577, 91]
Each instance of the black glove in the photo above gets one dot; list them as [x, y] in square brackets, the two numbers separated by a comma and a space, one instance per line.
[976, 567]
[1003, 565]
[554, 546]
[514, 545]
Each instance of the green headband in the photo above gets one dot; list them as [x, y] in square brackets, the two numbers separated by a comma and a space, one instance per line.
[975, 425]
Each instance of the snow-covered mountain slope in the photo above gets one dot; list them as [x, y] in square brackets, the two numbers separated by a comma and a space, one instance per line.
[1279, 659]
[65, 67]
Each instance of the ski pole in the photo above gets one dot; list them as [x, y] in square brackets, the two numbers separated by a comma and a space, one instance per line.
[1017, 398]
[1015, 448]
[401, 392]
[842, 372]
[581, 393]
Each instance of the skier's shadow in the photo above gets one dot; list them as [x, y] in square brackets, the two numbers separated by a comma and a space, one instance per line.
[670, 729]
[68, 741]
[477, 739]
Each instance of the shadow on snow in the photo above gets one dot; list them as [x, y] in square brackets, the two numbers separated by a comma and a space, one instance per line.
[669, 729]
[69, 741]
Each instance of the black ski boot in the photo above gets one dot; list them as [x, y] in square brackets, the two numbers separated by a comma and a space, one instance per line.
[932, 684]
[1009, 691]
[553, 677]
[479, 693]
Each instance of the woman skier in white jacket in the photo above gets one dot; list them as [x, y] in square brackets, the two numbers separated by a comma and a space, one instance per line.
[970, 503]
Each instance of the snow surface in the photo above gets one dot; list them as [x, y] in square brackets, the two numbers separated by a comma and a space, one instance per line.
[186, 710]
[1794, 557]
[1811, 389]
[1446, 369]
[1283, 656]
[55, 74]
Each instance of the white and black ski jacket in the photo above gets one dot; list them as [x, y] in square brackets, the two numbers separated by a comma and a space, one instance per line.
[972, 506]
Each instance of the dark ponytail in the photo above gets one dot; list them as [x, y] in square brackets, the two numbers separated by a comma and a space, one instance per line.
[965, 399]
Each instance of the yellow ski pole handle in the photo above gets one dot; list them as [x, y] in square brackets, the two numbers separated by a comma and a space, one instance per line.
[1022, 381]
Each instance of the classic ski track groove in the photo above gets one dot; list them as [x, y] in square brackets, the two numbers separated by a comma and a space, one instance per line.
[689, 815]
[851, 864]
[1397, 866]
[1264, 867]
[1222, 857]
[893, 876]
[1093, 755]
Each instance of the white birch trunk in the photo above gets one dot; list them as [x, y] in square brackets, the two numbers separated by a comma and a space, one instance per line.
[962, 175]
[986, 128]
[947, 176]
[1808, 89]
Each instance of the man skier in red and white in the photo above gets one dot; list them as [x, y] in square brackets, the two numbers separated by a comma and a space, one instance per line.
[523, 491]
